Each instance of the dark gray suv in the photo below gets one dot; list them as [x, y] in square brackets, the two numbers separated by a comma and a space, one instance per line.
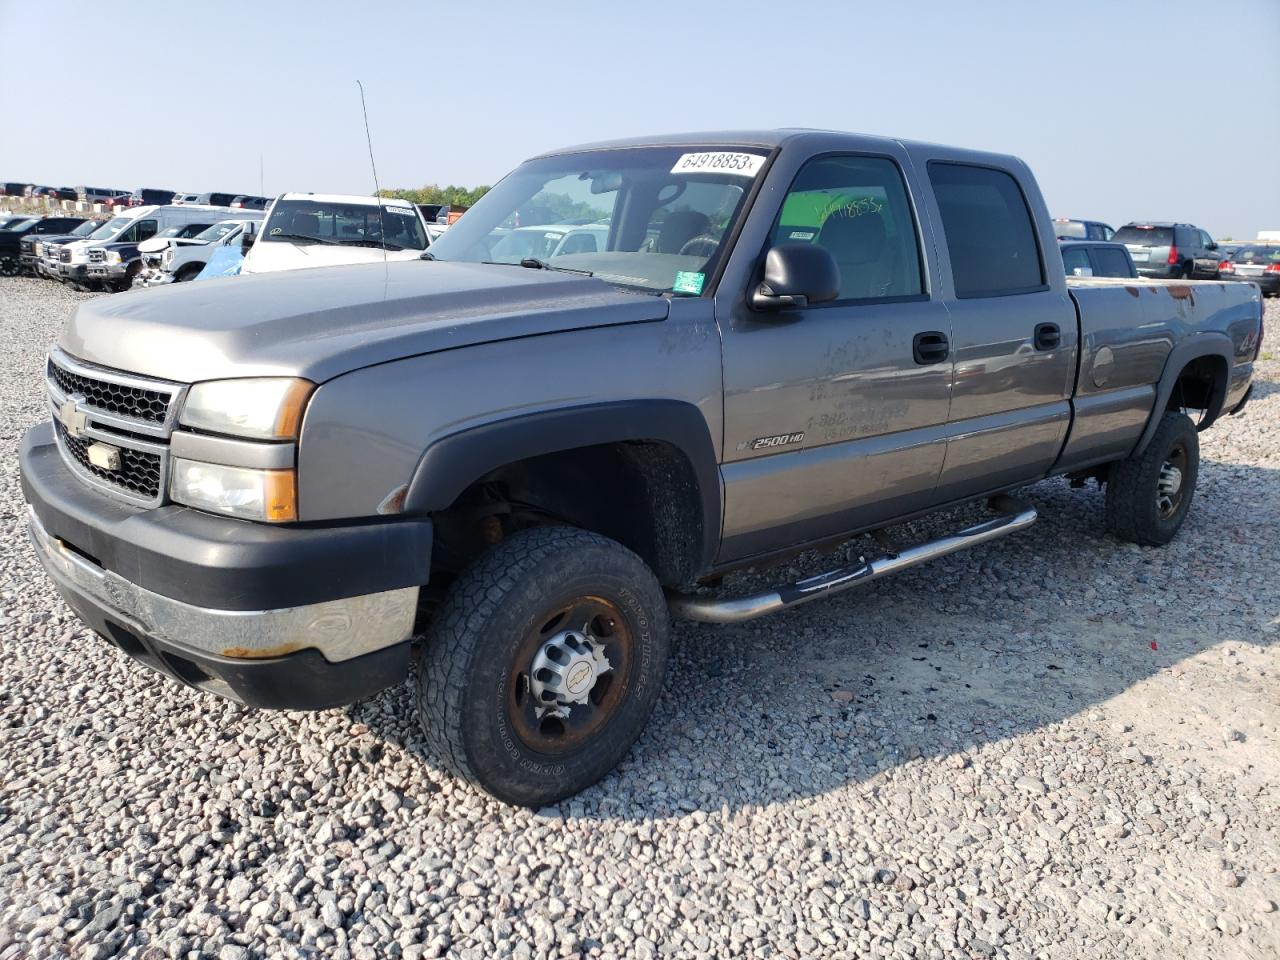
[1170, 250]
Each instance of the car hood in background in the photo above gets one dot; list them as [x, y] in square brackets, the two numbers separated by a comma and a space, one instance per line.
[321, 323]
[269, 256]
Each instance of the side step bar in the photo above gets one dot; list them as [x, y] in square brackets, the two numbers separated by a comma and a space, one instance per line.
[1014, 515]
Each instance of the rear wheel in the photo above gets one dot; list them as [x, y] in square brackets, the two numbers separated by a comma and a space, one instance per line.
[10, 266]
[1148, 496]
[543, 664]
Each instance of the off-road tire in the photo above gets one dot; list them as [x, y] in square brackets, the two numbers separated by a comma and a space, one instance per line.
[470, 647]
[1132, 511]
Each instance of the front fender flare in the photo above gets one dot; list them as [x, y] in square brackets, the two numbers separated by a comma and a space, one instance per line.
[454, 462]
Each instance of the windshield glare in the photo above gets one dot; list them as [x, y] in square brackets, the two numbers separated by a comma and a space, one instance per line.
[651, 218]
[111, 228]
[86, 228]
[349, 224]
[217, 231]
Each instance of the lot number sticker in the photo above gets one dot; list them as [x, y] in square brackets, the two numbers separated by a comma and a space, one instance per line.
[739, 164]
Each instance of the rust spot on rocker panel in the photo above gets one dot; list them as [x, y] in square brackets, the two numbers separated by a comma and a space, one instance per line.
[1132, 291]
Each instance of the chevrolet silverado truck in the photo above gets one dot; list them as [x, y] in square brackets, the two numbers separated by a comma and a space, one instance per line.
[287, 488]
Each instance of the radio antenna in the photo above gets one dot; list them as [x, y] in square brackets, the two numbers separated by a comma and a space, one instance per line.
[377, 190]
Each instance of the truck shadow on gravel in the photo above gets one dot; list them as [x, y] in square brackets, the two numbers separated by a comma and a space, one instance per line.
[979, 646]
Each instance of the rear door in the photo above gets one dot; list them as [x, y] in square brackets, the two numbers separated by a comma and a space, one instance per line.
[1014, 329]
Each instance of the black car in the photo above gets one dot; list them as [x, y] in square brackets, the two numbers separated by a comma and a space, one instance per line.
[11, 239]
[158, 198]
[14, 189]
[29, 257]
[1094, 258]
[1065, 228]
[1258, 263]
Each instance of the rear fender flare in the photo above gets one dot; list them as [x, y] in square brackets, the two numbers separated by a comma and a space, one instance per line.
[453, 463]
[1204, 345]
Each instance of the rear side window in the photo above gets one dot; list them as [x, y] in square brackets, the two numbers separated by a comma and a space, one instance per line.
[989, 231]
[1111, 263]
[1077, 258]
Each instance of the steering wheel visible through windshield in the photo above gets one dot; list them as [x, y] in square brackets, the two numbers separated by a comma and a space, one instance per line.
[650, 218]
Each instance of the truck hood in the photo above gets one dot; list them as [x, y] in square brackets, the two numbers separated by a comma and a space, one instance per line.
[325, 322]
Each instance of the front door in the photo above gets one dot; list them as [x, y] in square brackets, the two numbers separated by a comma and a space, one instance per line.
[835, 414]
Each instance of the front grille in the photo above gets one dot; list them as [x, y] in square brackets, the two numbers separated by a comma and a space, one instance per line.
[97, 256]
[139, 472]
[136, 403]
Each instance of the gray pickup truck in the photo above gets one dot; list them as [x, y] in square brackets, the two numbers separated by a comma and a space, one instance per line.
[516, 461]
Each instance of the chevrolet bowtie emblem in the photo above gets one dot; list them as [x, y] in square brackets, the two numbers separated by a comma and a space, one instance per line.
[72, 419]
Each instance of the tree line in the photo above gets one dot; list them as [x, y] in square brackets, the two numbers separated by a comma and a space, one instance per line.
[434, 193]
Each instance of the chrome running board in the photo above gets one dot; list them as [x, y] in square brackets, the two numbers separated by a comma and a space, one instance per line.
[1014, 515]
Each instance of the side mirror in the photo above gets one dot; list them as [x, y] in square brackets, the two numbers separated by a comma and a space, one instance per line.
[246, 241]
[1212, 245]
[796, 275]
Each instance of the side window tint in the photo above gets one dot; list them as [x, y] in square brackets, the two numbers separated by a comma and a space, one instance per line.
[1077, 258]
[989, 231]
[1111, 263]
[145, 230]
[857, 208]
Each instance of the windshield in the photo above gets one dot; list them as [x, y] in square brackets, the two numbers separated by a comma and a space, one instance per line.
[1068, 228]
[111, 228]
[218, 231]
[170, 232]
[86, 228]
[649, 218]
[1145, 236]
[348, 224]
[19, 224]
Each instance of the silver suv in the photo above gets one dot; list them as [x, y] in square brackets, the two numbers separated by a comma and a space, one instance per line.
[1170, 250]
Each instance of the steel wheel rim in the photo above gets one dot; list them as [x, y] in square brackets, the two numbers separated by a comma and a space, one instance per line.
[1171, 481]
[555, 728]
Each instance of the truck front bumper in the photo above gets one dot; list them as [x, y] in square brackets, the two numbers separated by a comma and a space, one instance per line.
[302, 618]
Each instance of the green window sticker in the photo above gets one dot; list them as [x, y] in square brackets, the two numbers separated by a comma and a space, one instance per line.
[688, 282]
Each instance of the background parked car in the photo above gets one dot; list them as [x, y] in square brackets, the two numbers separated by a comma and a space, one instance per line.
[250, 203]
[12, 221]
[35, 248]
[324, 230]
[99, 194]
[110, 257]
[10, 240]
[180, 262]
[183, 198]
[15, 189]
[157, 198]
[1095, 258]
[1065, 228]
[1258, 263]
[1161, 248]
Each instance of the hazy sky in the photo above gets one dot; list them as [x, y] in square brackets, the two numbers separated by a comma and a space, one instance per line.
[1160, 110]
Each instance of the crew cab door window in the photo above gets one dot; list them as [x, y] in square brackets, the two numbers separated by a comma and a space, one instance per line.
[1112, 263]
[856, 207]
[989, 231]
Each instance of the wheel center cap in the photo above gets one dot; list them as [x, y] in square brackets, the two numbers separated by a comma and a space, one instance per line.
[1170, 479]
[579, 678]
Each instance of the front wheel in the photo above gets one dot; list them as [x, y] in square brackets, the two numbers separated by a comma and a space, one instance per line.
[543, 664]
[1148, 496]
[10, 266]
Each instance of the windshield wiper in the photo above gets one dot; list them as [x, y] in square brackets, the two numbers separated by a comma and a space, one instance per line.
[299, 236]
[533, 263]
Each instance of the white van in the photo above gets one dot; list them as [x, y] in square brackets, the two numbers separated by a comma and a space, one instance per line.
[326, 229]
[182, 260]
[109, 256]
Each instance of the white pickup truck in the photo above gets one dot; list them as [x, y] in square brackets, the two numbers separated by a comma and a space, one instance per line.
[180, 262]
[324, 230]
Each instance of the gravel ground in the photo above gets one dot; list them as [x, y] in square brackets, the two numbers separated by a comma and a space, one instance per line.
[1054, 746]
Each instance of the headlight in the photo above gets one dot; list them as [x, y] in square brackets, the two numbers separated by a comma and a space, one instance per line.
[113, 256]
[167, 256]
[79, 256]
[260, 408]
[270, 495]
[39, 248]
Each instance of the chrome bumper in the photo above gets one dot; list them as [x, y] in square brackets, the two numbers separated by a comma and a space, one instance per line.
[339, 629]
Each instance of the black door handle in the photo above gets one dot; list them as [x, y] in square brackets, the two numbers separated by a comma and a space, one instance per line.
[1048, 336]
[930, 347]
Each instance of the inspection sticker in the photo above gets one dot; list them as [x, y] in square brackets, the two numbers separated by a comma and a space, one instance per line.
[688, 282]
[739, 164]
